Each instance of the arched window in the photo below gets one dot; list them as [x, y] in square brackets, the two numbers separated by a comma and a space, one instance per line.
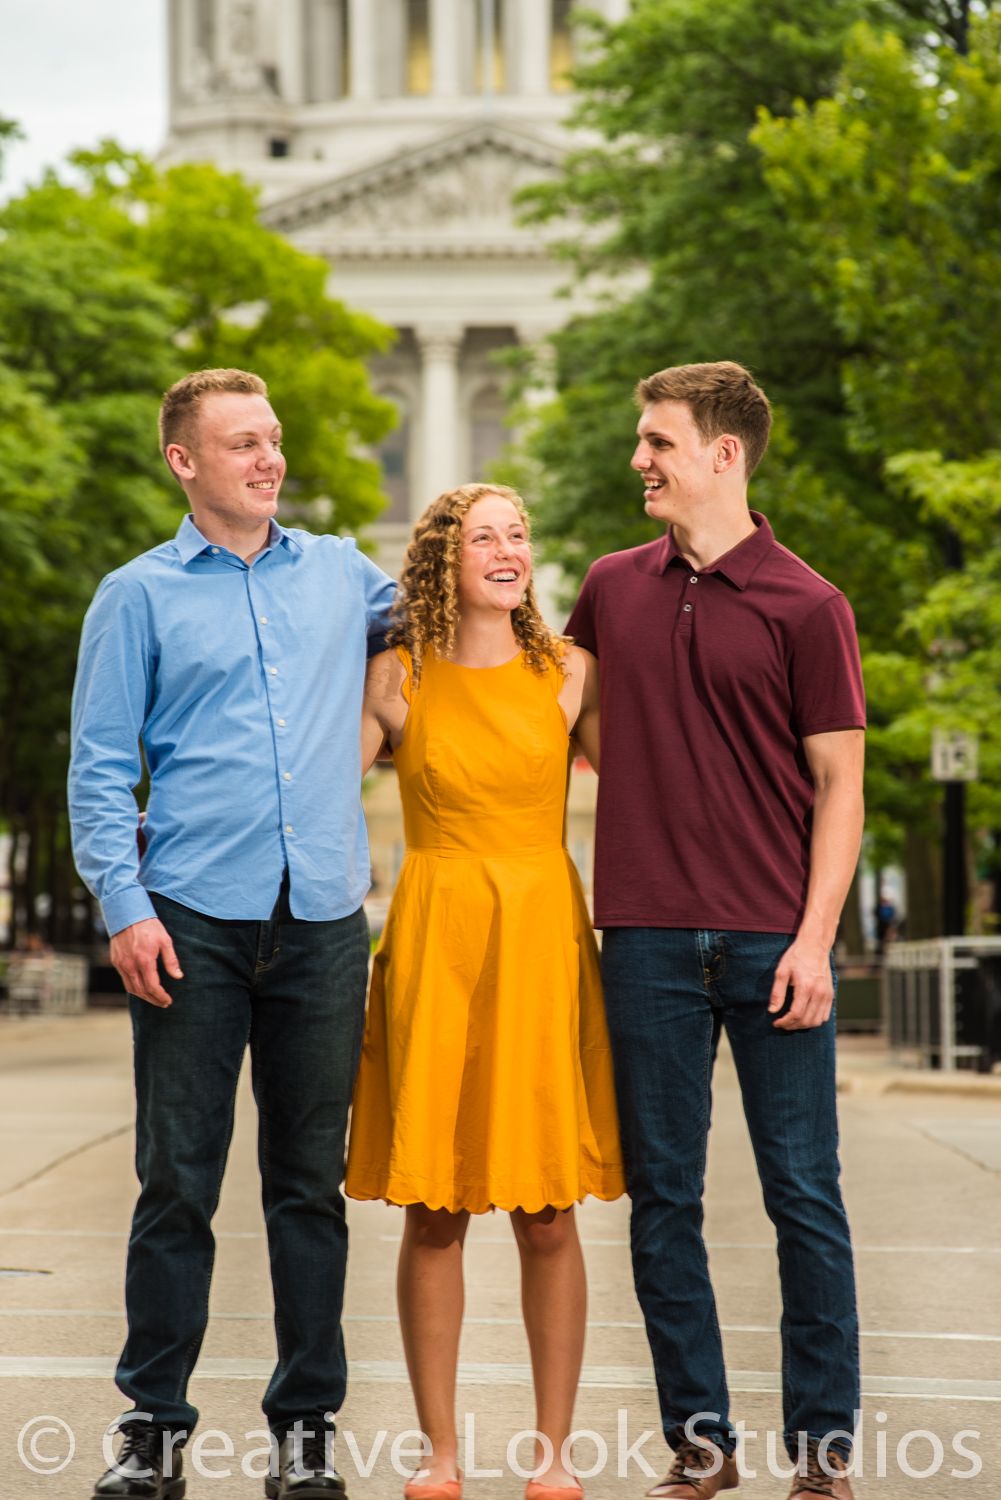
[393, 455]
[418, 47]
[561, 58]
[489, 432]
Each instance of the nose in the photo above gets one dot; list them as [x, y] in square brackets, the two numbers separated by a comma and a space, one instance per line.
[641, 459]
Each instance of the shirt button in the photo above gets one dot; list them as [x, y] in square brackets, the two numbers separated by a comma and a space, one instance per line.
[274, 671]
[215, 551]
[264, 619]
[288, 776]
[687, 608]
[288, 827]
[282, 723]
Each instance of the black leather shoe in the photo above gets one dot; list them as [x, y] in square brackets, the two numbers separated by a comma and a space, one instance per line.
[317, 1480]
[138, 1472]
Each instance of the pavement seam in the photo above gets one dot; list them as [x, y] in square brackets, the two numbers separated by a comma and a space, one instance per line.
[68, 1156]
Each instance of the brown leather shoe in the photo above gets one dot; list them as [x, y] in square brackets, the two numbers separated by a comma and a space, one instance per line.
[681, 1486]
[817, 1482]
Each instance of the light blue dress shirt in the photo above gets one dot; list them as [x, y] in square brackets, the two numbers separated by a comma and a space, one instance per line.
[244, 682]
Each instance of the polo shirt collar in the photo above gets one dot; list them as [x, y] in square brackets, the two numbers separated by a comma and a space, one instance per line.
[738, 565]
[190, 542]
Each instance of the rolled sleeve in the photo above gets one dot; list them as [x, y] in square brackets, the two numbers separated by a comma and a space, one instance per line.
[109, 707]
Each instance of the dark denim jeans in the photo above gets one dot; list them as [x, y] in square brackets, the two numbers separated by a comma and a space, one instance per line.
[295, 991]
[668, 992]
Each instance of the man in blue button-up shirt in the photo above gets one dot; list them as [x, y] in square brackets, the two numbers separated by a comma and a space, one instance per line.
[235, 655]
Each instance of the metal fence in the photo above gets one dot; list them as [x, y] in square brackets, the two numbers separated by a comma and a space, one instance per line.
[942, 999]
[52, 984]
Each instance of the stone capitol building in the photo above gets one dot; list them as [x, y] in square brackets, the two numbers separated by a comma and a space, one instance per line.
[388, 137]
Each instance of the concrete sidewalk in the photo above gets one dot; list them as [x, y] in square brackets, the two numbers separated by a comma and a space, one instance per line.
[924, 1195]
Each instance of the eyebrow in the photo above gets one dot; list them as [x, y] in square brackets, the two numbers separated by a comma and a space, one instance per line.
[249, 434]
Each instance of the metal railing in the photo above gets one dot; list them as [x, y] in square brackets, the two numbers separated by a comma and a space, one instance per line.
[929, 1006]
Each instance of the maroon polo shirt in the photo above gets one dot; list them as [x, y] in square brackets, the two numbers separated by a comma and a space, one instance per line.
[710, 680]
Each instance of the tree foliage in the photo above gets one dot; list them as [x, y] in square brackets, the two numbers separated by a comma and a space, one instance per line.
[676, 187]
[109, 291]
[809, 189]
[895, 187]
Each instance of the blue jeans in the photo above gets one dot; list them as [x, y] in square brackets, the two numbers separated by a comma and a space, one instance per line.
[295, 991]
[668, 992]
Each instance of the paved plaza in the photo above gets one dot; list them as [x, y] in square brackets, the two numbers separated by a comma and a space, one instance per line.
[921, 1171]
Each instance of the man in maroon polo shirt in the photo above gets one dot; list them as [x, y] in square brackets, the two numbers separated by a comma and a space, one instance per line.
[729, 824]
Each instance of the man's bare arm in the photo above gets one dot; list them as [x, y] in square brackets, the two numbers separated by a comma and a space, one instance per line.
[836, 762]
[580, 701]
[134, 952]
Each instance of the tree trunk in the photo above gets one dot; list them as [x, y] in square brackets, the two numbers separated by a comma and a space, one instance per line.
[850, 930]
[923, 863]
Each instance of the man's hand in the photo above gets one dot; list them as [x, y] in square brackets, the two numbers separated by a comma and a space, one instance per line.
[134, 952]
[807, 969]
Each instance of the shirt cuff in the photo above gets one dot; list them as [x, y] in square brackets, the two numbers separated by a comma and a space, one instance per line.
[376, 644]
[125, 907]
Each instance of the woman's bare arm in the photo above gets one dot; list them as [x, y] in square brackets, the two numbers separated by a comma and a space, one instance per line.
[579, 700]
[384, 708]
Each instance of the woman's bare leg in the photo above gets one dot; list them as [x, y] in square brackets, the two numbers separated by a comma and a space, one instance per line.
[554, 1302]
[431, 1296]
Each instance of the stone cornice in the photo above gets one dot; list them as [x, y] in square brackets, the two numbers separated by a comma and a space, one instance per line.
[300, 210]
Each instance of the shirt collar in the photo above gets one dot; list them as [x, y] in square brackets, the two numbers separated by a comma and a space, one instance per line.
[737, 565]
[190, 542]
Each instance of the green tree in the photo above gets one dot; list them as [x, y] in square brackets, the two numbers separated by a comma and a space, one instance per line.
[892, 188]
[109, 292]
[676, 188]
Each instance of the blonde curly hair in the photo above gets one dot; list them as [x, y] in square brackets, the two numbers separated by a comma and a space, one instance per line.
[426, 610]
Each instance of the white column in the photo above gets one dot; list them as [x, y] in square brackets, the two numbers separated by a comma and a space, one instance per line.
[361, 42]
[439, 345]
[534, 42]
[446, 33]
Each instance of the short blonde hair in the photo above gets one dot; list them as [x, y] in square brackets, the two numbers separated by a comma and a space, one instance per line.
[722, 398]
[426, 610]
[179, 407]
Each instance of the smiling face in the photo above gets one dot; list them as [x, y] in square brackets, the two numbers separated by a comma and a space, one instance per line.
[232, 467]
[496, 562]
[677, 468]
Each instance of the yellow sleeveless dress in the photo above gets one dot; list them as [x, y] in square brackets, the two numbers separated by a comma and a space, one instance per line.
[486, 1076]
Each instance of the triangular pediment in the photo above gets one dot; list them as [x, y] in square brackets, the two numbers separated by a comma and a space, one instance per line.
[446, 197]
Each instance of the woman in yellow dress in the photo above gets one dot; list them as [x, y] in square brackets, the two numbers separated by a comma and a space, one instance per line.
[486, 1077]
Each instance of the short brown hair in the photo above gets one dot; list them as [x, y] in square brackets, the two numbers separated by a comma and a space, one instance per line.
[722, 398]
[179, 406]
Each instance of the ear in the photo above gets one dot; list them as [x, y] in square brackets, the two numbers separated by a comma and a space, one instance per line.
[180, 460]
[728, 453]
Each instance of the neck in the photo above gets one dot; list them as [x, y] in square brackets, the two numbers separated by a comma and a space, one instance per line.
[242, 538]
[705, 539]
[484, 640]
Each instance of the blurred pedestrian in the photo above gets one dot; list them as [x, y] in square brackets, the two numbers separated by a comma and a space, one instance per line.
[486, 1079]
[233, 659]
[728, 831]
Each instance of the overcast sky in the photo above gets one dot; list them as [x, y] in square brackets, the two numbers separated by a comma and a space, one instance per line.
[74, 71]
